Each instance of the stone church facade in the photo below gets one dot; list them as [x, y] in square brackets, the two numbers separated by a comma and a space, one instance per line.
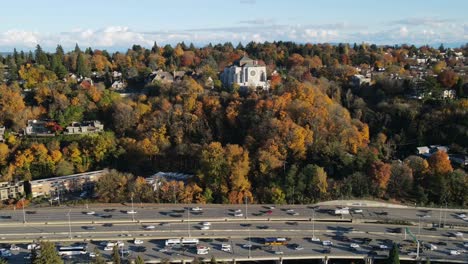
[246, 73]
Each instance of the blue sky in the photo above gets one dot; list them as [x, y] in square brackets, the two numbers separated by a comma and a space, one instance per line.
[117, 24]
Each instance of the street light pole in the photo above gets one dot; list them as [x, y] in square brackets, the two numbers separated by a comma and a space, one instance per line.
[250, 244]
[133, 211]
[188, 222]
[313, 223]
[419, 226]
[69, 224]
[245, 199]
[445, 214]
[24, 214]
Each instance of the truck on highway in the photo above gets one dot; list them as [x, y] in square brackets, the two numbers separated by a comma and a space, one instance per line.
[342, 211]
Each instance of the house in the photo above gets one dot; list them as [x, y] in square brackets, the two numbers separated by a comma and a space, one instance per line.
[246, 73]
[359, 80]
[427, 151]
[85, 127]
[161, 76]
[450, 94]
[41, 128]
[2, 132]
[69, 183]
[86, 83]
[156, 179]
[11, 190]
[116, 75]
[118, 85]
[178, 75]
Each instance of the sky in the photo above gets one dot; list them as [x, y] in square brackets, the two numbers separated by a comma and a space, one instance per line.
[118, 24]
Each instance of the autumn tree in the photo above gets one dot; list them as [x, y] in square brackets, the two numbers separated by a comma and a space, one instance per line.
[447, 78]
[380, 172]
[439, 163]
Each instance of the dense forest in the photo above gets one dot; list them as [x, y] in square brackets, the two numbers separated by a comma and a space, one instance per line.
[312, 136]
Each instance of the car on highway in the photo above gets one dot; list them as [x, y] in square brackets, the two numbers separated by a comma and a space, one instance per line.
[465, 245]
[292, 223]
[131, 212]
[262, 227]
[269, 212]
[315, 239]
[246, 225]
[137, 242]
[412, 254]
[357, 211]
[290, 211]
[226, 247]
[461, 216]
[88, 227]
[294, 213]
[430, 246]
[442, 243]
[327, 243]
[426, 216]
[278, 252]
[247, 245]
[354, 245]
[149, 227]
[238, 211]
[296, 247]
[272, 207]
[107, 225]
[454, 252]
[14, 247]
[165, 224]
[108, 248]
[238, 214]
[326, 250]
[458, 234]
[92, 254]
[90, 213]
[204, 227]
[382, 246]
[33, 246]
[197, 209]
[206, 223]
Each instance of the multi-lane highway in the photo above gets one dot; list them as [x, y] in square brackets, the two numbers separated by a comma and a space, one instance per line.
[103, 223]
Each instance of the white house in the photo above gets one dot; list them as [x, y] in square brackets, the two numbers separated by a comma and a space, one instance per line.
[449, 94]
[246, 73]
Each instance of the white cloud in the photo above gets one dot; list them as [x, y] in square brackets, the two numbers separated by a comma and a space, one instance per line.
[121, 37]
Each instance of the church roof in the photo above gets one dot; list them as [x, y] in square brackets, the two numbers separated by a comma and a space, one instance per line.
[244, 61]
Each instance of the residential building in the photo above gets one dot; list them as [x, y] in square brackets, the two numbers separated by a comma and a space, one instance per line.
[62, 184]
[118, 85]
[427, 151]
[156, 179]
[161, 76]
[2, 132]
[41, 128]
[85, 127]
[246, 73]
[359, 80]
[450, 94]
[11, 190]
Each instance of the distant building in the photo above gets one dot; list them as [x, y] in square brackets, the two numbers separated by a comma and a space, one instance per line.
[85, 127]
[246, 73]
[450, 94]
[459, 159]
[62, 184]
[41, 128]
[427, 151]
[161, 76]
[118, 85]
[11, 190]
[359, 80]
[2, 132]
[156, 179]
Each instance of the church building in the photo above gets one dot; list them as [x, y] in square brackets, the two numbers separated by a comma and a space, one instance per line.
[245, 72]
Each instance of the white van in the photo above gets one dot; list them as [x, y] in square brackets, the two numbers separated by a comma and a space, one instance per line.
[226, 247]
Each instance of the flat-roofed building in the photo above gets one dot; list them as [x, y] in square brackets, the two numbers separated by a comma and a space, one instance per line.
[69, 183]
[11, 190]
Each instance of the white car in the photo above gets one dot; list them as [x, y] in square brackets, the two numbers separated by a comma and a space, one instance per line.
[205, 227]
[238, 214]
[226, 247]
[412, 254]
[466, 244]
[458, 234]
[238, 211]
[92, 255]
[295, 213]
[131, 212]
[108, 248]
[278, 252]
[197, 209]
[354, 245]
[32, 246]
[247, 245]
[272, 207]
[357, 211]
[461, 216]
[383, 246]
[120, 244]
[431, 247]
[14, 248]
[426, 216]
[327, 243]
[290, 211]
[454, 252]
[138, 242]
[206, 223]
[315, 239]
[150, 227]
[91, 213]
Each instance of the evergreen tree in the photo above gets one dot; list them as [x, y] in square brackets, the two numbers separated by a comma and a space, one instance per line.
[116, 256]
[99, 259]
[82, 68]
[59, 52]
[48, 254]
[77, 48]
[12, 70]
[41, 57]
[393, 257]
[139, 260]
[57, 66]
[3, 261]
[213, 260]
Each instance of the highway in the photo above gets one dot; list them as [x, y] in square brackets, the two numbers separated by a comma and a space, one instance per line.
[295, 222]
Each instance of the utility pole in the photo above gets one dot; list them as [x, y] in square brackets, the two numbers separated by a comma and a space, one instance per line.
[188, 222]
[313, 223]
[445, 214]
[245, 199]
[69, 224]
[419, 227]
[24, 214]
[133, 211]
[250, 244]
